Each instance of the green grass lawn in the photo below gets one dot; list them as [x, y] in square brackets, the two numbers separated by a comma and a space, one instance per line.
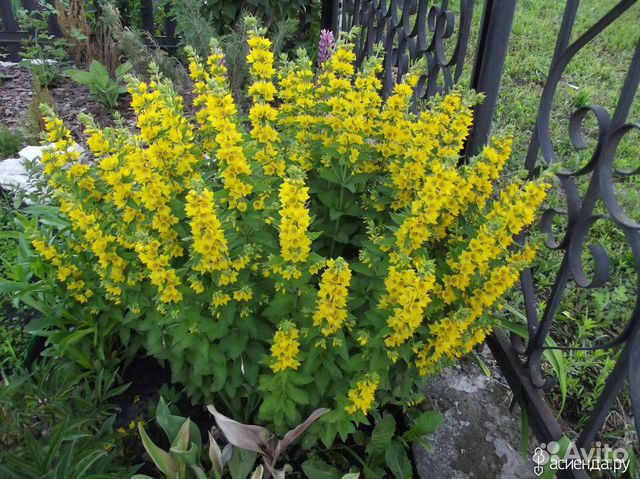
[594, 76]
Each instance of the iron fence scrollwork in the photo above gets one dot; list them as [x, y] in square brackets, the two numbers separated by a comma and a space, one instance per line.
[601, 174]
[410, 30]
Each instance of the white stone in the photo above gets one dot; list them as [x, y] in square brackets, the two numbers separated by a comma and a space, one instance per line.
[13, 174]
[7, 64]
[31, 153]
[11, 167]
[40, 61]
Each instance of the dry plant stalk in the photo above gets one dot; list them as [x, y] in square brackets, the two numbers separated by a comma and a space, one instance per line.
[87, 44]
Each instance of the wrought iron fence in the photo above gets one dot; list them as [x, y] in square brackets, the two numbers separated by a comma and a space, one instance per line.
[12, 35]
[600, 174]
[409, 30]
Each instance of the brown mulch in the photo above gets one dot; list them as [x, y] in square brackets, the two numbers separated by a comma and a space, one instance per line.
[69, 98]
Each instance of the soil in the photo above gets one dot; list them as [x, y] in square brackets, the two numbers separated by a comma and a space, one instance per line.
[69, 99]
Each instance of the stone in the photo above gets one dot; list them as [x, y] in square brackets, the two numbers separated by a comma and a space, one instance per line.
[480, 437]
[13, 174]
[31, 153]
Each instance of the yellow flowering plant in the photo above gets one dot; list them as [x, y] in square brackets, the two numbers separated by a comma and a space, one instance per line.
[323, 250]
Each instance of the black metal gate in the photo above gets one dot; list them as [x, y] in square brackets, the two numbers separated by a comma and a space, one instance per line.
[12, 35]
[413, 29]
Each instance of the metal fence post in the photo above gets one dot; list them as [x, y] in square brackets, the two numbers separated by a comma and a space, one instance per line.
[329, 14]
[493, 43]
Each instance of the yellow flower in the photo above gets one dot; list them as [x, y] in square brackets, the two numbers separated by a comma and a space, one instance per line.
[331, 307]
[209, 242]
[362, 396]
[407, 296]
[285, 348]
[295, 243]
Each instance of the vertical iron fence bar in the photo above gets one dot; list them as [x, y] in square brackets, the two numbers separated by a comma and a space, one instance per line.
[493, 43]
[10, 24]
[543, 422]
[169, 22]
[29, 5]
[564, 35]
[124, 9]
[146, 13]
[328, 15]
[54, 27]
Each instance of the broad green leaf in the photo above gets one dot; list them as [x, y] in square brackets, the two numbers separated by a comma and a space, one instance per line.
[181, 441]
[172, 424]
[98, 69]
[318, 469]
[397, 461]
[235, 343]
[123, 69]
[241, 463]
[80, 76]
[160, 458]
[73, 338]
[382, 435]
[427, 423]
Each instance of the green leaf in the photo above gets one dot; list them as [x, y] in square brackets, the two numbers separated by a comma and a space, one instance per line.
[397, 461]
[427, 423]
[318, 469]
[171, 424]
[554, 356]
[123, 69]
[161, 458]
[362, 269]
[80, 76]
[330, 175]
[99, 70]
[334, 214]
[382, 435]
[297, 395]
[241, 463]
[235, 343]
[181, 440]
[73, 338]
[229, 11]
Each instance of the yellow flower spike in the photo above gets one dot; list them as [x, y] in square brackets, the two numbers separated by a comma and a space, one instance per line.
[362, 396]
[331, 306]
[285, 348]
[295, 244]
[407, 296]
[209, 242]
